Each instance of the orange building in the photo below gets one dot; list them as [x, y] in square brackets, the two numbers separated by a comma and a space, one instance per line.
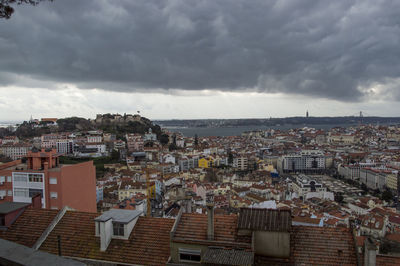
[60, 185]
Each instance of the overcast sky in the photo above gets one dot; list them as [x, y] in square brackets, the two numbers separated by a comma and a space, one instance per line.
[200, 59]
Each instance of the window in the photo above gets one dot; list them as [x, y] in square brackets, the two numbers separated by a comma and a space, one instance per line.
[192, 255]
[118, 229]
[33, 192]
[9, 193]
[8, 178]
[20, 178]
[53, 195]
[53, 180]
[21, 192]
[3, 193]
[2, 179]
[35, 178]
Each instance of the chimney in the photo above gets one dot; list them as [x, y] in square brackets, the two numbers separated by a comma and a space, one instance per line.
[46, 166]
[369, 252]
[105, 234]
[210, 216]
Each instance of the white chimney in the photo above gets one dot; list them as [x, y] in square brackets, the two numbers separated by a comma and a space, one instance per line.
[369, 252]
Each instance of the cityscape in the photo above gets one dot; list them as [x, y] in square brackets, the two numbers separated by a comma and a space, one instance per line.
[183, 132]
[117, 173]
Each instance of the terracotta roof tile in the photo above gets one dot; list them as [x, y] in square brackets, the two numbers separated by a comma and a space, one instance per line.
[194, 226]
[382, 260]
[323, 246]
[316, 246]
[148, 243]
[264, 219]
[29, 226]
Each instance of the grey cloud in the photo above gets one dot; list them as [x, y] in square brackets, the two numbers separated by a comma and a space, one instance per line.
[336, 49]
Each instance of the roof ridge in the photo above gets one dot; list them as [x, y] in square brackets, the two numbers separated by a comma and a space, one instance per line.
[50, 228]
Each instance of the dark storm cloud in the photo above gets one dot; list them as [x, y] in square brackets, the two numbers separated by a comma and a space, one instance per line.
[333, 49]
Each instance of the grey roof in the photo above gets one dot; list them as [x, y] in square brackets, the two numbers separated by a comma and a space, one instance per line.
[265, 219]
[118, 215]
[15, 254]
[7, 207]
[221, 256]
[138, 154]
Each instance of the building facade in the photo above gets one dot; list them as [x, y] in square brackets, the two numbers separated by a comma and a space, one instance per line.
[59, 185]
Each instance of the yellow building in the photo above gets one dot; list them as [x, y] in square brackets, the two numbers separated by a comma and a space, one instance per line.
[391, 181]
[205, 162]
[127, 191]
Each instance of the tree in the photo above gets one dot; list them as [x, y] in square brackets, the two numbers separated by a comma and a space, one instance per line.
[172, 147]
[196, 140]
[230, 158]
[6, 10]
[174, 139]
[339, 198]
[164, 139]
[364, 187]
[387, 195]
[115, 155]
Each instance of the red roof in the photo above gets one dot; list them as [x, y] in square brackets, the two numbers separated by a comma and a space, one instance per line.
[194, 226]
[148, 243]
[382, 260]
[27, 229]
[323, 246]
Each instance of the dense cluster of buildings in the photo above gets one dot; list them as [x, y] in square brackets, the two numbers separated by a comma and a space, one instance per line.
[299, 196]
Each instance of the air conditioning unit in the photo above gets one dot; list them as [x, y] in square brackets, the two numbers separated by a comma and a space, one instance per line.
[1, 197]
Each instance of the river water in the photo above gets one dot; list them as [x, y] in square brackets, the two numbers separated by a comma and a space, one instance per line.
[235, 131]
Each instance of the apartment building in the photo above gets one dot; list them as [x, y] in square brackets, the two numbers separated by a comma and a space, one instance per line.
[134, 142]
[241, 163]
[15, 151]
[10, 140]
[188, 162]
[306, 161]
[59, 185]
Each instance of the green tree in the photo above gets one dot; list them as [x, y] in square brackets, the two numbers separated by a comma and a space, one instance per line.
[364, 187]
[115, 155]
[339, 198]
[164, 139]
[230, 158]
[174, 139]
[387, 196]
[172, 147]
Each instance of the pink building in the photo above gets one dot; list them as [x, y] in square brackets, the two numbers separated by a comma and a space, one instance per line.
[60, 185]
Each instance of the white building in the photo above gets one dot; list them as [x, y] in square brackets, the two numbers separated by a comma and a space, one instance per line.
[304, 185]
[307, 160]
[15, 151]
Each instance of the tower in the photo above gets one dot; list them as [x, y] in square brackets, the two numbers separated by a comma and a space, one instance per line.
[307, 114]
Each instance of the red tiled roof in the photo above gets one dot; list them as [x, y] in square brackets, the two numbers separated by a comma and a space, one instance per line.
[148, 243]
[27, 229]
[323, 246]
[393, 237]
[194, 226]
[382, 260]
